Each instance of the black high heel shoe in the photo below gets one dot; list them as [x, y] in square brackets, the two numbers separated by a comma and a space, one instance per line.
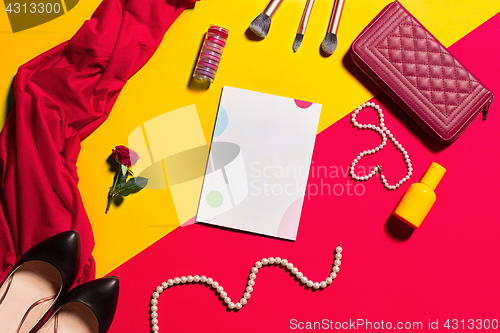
[39, 278]
[88, 308]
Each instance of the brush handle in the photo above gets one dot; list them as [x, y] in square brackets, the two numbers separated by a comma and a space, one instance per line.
[333, 27]
[305, 17]
[272, 7]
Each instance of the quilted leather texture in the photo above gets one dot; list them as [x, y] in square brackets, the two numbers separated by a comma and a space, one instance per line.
[417, 71]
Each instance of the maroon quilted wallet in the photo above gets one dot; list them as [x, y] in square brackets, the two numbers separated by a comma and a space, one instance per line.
[419, 73]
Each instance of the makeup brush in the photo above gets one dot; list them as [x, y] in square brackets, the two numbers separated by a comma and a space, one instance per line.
[303, 25]
[330, 42]
[260, 25]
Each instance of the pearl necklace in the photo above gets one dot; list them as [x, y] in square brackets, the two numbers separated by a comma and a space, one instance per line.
[384, 133]
[209, 282]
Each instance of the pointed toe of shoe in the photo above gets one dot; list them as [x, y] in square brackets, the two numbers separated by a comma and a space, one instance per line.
[61, 251]
[100, 295]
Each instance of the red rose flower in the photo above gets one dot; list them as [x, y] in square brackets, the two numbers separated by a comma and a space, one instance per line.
[125, 156]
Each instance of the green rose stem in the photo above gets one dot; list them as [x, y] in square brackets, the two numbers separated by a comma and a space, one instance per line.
[112, 191]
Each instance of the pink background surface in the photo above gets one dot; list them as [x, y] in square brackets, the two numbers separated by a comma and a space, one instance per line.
[446, 269]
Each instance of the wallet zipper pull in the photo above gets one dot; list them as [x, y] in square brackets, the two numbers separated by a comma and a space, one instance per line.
[485, 114]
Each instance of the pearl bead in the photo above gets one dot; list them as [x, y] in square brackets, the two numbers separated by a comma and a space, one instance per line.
[322, 284]
[223, 294]
[190, 279]
[164, 285]
[338, 256]
[170, 282]
[329, 280]
[295, 270]
[154, 315]
[154, 301]
[155, 328]
[304, 280]
[196, 278]
[258, 264]
[154, 308]
[238, 306]
[210, 281]
[299, 275]
[156, 295]
[203, 279]
[249, 289]
[154, 321]
[336, 269]
[289, 266]
[277, 260]
[231, 305]
[271, 261]
[247, 295]
[220, 289]
[227, 300]
[316, 285]
[159, 289]
[265, 261]
[183, 279]
[215, 284]
[309, 283]
[284, 262]
[251, 282]
[252, 276]
[337, 263]
[338, 249]
[254, 270]
[333, 275]
[372, 104]
[243, 301]
[177, 280]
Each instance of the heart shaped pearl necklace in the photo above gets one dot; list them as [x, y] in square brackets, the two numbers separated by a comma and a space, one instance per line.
[384, 134]
[249, 289]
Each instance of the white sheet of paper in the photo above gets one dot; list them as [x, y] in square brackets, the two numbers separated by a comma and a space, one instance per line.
[259, 163]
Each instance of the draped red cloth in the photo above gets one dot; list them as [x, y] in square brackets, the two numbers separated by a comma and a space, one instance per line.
[62, 96]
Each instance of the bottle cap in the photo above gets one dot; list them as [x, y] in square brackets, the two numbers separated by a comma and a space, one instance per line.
[433, 175]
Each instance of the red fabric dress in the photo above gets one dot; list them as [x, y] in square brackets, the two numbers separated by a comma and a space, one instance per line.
[61, 97]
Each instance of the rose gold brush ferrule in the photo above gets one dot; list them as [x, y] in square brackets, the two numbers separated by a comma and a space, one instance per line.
[272, 7]
[305, 17]
[333, 27]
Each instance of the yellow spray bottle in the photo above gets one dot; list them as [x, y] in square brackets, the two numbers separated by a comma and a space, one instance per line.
[420, 197]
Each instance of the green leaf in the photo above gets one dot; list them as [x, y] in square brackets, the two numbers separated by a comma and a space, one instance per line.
[141, 182]
[122, 181]
[124, 193]
[133, 185]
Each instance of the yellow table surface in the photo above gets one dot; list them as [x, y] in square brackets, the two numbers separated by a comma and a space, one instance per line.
[268, 66]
